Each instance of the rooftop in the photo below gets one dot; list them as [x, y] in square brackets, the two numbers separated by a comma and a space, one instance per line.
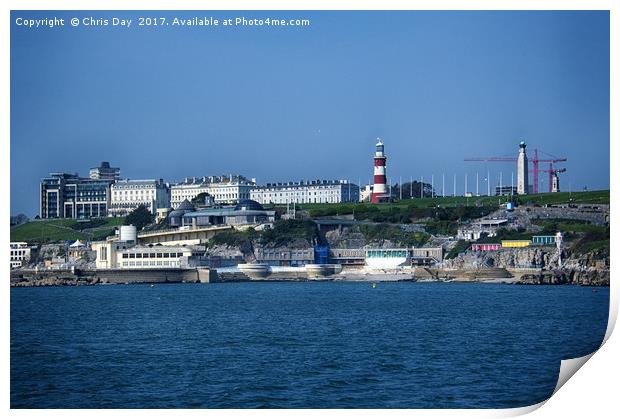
[226, 212]
[317, 182]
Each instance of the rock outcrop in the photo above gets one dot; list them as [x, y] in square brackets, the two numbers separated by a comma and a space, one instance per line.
[588, 269]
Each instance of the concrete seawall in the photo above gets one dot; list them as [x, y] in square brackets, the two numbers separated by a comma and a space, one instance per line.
[28, 278]
[111, 276]
[126, 276]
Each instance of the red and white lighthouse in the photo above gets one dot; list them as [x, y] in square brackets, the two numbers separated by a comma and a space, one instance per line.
[379, 190]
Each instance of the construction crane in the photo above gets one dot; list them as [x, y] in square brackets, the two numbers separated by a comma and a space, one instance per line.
[535, 165]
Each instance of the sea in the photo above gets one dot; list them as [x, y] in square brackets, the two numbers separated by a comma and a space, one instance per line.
[298, 344]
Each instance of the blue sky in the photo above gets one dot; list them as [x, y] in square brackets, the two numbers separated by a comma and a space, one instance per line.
[297, 103]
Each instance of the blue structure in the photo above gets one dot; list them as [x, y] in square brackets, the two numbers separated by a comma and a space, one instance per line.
[543, 240]
[321, 254]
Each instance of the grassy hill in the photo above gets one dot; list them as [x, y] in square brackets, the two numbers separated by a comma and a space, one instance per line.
[49, 231]
[326, 210]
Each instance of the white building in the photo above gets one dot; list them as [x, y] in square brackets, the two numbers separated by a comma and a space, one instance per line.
[474, 231]
[315, 191]
[20, 254]
[522, 168]
[115, 254]
[366, 193]
[105, 172]
[122, 252]
[127, 195]
[223, 189]
[230, 193]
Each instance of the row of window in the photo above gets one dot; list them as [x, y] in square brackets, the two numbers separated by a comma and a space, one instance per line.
[130, 204]
[306, 188]
[18, 252]
[298, 193]
[129, 186]
[88, 193]
[189, 197]
[151, 255]
[141, 192]
[278, 256]
[313, 200]
[170, 263]
[217, 192]
[386, 253]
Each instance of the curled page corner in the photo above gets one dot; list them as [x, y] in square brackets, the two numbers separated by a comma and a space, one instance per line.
[568, 367]
[519, 411]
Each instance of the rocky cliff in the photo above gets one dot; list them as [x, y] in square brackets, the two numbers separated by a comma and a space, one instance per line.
[588, 269]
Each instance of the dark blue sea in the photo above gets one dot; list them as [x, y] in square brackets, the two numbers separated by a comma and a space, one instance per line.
[294, 345]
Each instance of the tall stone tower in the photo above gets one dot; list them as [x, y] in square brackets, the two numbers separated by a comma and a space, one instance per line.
[379, 190]
[522, 179]
[555, 182]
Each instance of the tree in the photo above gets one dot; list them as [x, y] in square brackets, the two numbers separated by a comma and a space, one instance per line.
[139, 217]
[411, 190]
[200, 198]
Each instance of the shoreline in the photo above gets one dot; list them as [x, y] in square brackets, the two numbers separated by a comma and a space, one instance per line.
[199, 275]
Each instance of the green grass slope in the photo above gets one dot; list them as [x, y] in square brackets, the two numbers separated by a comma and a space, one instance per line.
[49, 231]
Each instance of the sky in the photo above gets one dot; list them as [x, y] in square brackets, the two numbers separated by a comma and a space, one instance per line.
[293, 103]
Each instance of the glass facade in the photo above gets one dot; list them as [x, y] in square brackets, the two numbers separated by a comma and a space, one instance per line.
[387, 253]
[65, 195]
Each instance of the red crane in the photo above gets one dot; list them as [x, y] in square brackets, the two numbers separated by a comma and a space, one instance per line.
[535, 165]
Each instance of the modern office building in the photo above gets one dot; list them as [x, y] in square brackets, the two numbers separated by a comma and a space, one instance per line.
[223, 189]
[65, 195]
[505, 190]
[127, 195]
[20, 254]
[306, 192]
[105, 172]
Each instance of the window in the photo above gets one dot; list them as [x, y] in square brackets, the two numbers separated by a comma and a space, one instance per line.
[159, 255]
